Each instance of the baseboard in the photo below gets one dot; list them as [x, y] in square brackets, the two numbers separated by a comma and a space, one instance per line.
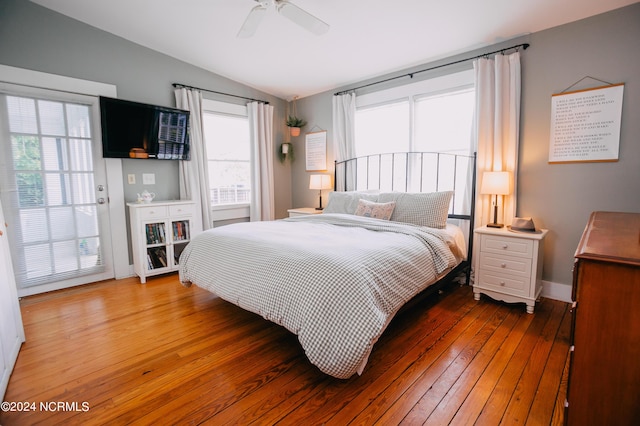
[126, 272]
[556, 291]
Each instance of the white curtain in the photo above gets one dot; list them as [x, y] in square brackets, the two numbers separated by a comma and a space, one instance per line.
[194, 176]
[262, 187]
[344, 133]
[497, 123]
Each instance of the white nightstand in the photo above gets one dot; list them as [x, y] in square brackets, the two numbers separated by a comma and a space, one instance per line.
[508, 265]
[303, 211]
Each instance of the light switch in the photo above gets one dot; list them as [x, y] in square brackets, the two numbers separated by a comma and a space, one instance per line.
[131, 178]
[149, 178]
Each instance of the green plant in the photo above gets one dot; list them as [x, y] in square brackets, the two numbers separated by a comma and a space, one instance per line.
[293, 121]
[282, 156]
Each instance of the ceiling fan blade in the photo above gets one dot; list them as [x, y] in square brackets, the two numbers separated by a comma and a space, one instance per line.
[252, 21]
[302, 18]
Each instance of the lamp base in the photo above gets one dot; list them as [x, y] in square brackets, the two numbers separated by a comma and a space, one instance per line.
[319, 208]
[494, 224]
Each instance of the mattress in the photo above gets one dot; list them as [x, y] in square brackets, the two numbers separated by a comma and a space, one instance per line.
[334, 280]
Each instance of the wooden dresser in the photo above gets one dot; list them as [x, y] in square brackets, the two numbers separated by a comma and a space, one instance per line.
[604, 374]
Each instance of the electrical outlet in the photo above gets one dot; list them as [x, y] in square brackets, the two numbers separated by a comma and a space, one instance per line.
[149, 178]
[131, 178]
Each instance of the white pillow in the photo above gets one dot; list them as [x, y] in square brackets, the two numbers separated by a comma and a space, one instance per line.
[347, 202]
[375, 210]
[422, 209]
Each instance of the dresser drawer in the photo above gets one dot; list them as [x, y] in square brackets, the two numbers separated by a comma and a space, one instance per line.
[181, 209]
[509, 284]
[507, 246]
[152, 212]
[518, 266]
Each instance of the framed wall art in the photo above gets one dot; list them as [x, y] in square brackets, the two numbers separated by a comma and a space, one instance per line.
[585, 125]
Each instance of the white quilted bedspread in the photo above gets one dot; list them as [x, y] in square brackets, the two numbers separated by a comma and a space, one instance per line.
[334, 280]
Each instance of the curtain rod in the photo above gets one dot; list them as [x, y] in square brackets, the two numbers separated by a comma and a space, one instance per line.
[219, 93]
[411, 74]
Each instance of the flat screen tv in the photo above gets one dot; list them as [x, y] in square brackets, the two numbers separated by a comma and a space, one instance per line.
[137, 130]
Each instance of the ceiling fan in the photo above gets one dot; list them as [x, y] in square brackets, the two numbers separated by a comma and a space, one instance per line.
[288, 10]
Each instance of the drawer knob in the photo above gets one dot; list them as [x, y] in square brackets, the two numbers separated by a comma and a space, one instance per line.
[503, 265]
[505, 246]
[502, 283]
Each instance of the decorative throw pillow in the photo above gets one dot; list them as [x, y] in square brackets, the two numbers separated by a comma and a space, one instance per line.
[422, 209]
[376, 210]
[347, 202]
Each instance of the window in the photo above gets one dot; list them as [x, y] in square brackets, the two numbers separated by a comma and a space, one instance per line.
[226, 132]
[431, 115]
[383, 128]
[434, 115]
[443, 121]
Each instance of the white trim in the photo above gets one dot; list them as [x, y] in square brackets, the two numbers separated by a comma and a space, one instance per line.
[42, 80]
[419, 89]
[229, 212]
[556, 291]
[224, 107]
[117, 215]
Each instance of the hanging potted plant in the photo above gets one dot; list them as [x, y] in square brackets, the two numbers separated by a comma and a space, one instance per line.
[285, 152]
[294, 123]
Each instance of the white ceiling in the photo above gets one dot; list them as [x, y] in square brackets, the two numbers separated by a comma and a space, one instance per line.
[367, 38]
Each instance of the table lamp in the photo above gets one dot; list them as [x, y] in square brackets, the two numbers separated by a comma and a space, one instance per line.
[495, 183]
[320, 182]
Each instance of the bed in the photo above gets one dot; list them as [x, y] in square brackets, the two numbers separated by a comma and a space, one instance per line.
[338, 278]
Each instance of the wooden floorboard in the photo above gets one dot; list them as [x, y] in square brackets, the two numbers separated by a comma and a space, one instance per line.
[160, 353]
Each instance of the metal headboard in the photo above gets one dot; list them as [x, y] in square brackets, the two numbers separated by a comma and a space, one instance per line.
[416, 172]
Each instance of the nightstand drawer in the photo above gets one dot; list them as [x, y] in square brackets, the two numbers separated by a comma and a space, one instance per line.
[507, 246]
[505, 264]
[513, 285]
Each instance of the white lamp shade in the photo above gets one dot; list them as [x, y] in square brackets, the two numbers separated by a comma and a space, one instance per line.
[496, 183]
[320, 182]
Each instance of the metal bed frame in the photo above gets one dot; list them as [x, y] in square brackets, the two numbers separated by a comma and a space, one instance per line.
[406, 172]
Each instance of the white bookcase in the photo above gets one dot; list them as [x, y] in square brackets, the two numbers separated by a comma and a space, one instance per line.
[159, 232]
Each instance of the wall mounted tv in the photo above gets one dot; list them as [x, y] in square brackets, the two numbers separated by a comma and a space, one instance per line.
[137, 130]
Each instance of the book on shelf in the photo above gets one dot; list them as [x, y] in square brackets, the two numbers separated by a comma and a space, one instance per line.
[155, 233]
[181, 230]
[157, 257]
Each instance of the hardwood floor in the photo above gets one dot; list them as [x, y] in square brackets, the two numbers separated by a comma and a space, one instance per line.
[119, 352]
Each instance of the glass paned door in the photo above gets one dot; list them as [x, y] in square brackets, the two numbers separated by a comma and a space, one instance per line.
[53, 188]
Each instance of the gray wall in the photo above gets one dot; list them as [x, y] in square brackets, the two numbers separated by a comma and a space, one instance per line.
[559, 197]
[562, 196]
[37, 38]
